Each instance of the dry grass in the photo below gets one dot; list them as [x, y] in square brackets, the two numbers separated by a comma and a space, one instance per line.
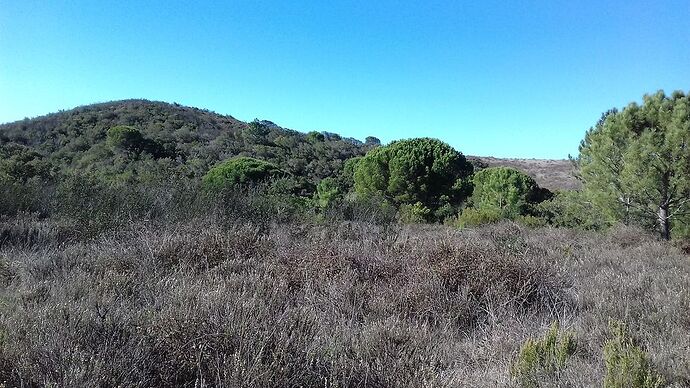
[352, 305]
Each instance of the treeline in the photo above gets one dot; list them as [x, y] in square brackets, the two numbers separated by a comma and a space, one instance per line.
[634, 165]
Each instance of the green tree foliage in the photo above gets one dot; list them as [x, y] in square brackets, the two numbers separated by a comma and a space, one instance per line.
[19, 163]
[130, 139]
[346, 179]
[240, 171]
[314, 136]
[573, 209]
[475, 217]
[327, 192]
[506, 191]
[256, 133]
[414, 214]
[126, 138]
[636, 162]
[372, 141]
[423, 170]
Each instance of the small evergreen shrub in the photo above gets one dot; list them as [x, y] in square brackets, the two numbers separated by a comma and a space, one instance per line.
[627, 365]
[125, 137]
[531, 221]
[414, 214]
[543, 357]
[327, 193]
[574, 209]
[476, 217]
[240, 171]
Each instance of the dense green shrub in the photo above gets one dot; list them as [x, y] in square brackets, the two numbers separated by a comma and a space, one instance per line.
[574, 209]
[531, 221]
[420, 170]
[346, 178]
[327, 193]
[315, 136]
[19, 163]
[414, 214]
[289, 185]
[126, 138]
[130, 139]
[31, 196]
[370, 209]
[240, 171]
[255, 133]
[543, 357]
[627, 365]
[476, 217]
[506, 190]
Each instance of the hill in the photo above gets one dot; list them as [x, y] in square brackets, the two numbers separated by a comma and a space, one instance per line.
[549, 173]
[188, 141]
[183, 140]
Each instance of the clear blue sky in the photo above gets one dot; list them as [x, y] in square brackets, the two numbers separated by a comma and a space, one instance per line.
[501, 78]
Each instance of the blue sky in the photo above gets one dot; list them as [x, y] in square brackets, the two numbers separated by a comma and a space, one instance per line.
[501, 78]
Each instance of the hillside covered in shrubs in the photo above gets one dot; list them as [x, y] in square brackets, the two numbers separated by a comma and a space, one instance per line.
[138, 140]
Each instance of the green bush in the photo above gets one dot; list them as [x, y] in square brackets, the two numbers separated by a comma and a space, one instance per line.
[627, 365]
[131, 140]
[370, 209]
[32, 196]
[327, 193]
[346, 178]
[446, 211]
[507, 190]
[574, 209]
[476, 217]
[125, 137]
[20, 163]
[543, 357]
[240, 171]
[531, 221]
[314, 137]
[414, 214]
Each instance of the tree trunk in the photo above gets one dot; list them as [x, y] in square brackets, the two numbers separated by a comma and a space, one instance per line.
[664, 224]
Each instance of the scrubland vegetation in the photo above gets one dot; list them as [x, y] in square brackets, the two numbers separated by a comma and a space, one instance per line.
[145, 244]
[227, 294]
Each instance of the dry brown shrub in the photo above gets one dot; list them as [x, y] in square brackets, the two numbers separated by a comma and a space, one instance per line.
[350, 305]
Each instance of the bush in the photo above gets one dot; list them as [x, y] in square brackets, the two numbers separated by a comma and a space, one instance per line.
[627, 365]
[476, 217]
[573, 209]
[543, 357]
[373, 209]
[315, 136]
[33, 196]
[414, 214]
[327, 193]
[507, 190]
[531, 221]
[126, 138]
[240, 170]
